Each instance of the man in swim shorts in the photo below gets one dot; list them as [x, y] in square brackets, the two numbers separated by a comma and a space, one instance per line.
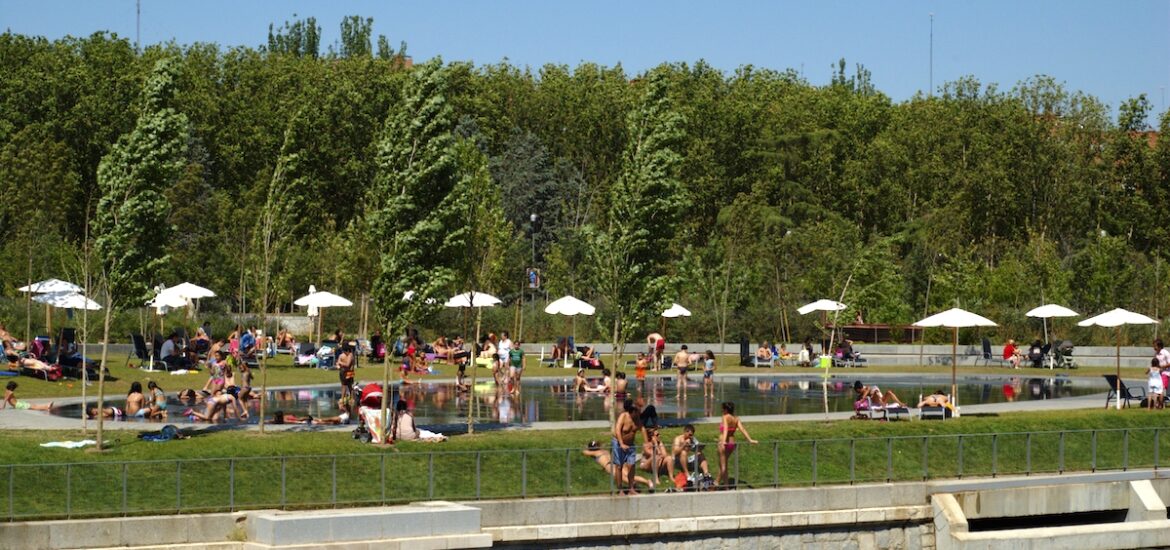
[625, 454]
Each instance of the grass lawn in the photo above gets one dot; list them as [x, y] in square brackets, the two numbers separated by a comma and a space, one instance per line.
[224, 469]
[281, 372]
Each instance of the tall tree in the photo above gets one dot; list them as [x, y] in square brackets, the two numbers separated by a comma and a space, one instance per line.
[131, 225]
[411, 210]
[355, 36]
[631, 252]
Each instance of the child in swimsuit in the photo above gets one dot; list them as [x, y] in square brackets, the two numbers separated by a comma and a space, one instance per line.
[10, 400]
[709, 373]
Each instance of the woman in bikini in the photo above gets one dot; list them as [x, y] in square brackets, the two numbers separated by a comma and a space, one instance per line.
[727, 429]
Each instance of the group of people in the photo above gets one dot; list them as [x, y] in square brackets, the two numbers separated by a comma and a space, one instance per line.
[18, 354]
[1158, 376]
[685, 456]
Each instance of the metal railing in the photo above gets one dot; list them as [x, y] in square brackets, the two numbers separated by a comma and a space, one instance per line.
[95, 489]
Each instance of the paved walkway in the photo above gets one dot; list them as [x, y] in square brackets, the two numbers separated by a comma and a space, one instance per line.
[11, 419]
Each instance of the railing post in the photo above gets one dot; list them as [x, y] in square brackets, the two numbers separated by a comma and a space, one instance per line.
[478, 456]
[232, 485]
[1028, 454]
[994, 454]
[125, 496]
[1060, 462]
[68, 490]
[11, 493]
[1156, 432]
[960, 457]
[1093, 446]
[178, 486]
[775, 463]
[1125, 450]
[814, 463]
[333, 494]
[382, 478]
[889, 459]
[925, 458]
[283, 482]
[852, 459]
[524, 474]
[737, 467]
[568, 471]
[431, 475]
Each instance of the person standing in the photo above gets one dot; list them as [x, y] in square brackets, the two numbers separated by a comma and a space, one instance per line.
[625, 455]
[345, 370]
[1163, 356]
[727, 429]
[516, 360]
[709, 374]
[1156, 390]
[682, 361]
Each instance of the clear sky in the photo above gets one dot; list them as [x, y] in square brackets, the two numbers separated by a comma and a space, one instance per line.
[1111, 49]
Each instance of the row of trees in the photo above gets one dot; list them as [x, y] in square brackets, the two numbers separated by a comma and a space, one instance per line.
[741, 195]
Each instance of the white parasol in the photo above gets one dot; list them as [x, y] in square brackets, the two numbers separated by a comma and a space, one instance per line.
[570, 306]
[477, 300]
[1047, 311]
[67, 300]
[955, 318]
[50, 285]
[316, 300]
[1117, 318]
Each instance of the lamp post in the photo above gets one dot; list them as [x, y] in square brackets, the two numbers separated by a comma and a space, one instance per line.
[532, 237]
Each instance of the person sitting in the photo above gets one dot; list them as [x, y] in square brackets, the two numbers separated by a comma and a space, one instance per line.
[654, 457]
[10, 401]
[620, 384]
[461, 384]
[403, 428]
[136, 405]
[248, 344]
[589, 358]
[688, 458]
[285, 340]
[580, 383]
[764, 353]
[874, 397]
[561, 349]
[172, 354]
[806, 354]
[604, 387]
[1012, 354]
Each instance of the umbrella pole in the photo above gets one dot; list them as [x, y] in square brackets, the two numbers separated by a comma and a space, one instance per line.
[474, 368]
[1118, 367]
[954, 368]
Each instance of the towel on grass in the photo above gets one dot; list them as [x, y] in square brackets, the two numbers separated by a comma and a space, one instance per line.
[70, 444]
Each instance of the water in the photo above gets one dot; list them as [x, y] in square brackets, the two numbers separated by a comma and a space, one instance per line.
[437, 405]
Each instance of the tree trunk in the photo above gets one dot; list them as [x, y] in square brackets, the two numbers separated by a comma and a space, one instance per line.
[612, 399]
[102, 371]
[386, 379]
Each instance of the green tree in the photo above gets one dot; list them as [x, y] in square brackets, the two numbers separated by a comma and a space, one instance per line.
[411, 206]
[631, 250]
[132, 229]
[302, 37]
[355, 36]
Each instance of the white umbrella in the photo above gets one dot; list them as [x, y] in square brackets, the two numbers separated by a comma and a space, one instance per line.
[676, 310]
[1117, 318]
[1050, 310]
[50, 285]
[322, 299]
[821, 305]
[570, 307]
[477, 300]
[188, 291]
[67, 300]
[472, 299]
[955, 318]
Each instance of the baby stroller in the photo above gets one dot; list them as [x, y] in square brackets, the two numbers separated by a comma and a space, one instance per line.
[1064, 355]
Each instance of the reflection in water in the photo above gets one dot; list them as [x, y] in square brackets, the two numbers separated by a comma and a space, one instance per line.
[439, 405]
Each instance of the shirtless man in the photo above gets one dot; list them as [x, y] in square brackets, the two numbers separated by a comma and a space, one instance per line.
[136, 402]
[682, 360]
[620, 384]
[656, 344]
[687, 451]
[625, 455]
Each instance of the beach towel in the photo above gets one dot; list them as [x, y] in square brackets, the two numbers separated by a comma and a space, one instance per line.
[70, 444]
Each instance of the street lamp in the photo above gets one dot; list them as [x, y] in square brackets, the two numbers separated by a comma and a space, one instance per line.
[532, 232]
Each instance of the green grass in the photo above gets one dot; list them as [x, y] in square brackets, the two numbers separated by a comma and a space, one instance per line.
[281, 372]
[197, 474]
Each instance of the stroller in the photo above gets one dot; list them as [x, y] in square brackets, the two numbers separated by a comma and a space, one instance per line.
[1063, 353]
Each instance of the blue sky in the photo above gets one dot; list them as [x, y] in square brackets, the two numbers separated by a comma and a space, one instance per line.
[1113, 50]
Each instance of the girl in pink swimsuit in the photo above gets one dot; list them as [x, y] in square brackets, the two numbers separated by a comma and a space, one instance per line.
[727, 429]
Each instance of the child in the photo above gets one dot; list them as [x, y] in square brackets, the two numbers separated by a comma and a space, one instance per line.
[1156, 390]
[10, 400]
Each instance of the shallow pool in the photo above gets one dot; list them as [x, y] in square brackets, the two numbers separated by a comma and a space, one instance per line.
[437, 405]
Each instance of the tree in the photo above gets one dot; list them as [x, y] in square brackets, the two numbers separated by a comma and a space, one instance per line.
[631, 252]
[131, 224]
[355, 36]
[410, 207]
[300, 38]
